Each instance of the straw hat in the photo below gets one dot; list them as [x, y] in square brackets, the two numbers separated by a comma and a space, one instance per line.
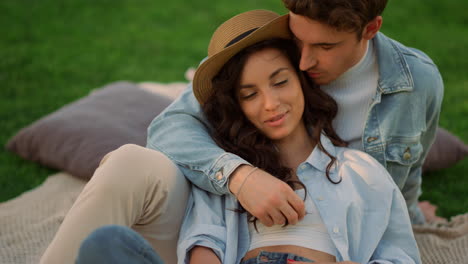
[233, 36]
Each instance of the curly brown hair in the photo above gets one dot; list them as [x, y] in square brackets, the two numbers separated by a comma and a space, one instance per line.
[233, 132]
[343, 15]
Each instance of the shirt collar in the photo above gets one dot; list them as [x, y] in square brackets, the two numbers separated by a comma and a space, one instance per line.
[319, 160]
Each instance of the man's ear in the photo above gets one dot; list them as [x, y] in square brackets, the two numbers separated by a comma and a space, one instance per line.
[372, 28]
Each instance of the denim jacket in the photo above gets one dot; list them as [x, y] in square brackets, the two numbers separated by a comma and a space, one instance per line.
[365, 214]
[399, 130]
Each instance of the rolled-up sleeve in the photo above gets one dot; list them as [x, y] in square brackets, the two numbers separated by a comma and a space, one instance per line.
[204, 225]
[397, 244]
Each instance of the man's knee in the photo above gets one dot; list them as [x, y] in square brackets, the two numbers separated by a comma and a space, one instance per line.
[96, 247]
[115, 244]
[102, 238]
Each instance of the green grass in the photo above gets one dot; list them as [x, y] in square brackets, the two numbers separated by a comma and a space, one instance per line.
[53, 52]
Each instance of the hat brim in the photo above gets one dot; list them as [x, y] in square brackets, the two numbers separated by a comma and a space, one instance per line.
[202, 86]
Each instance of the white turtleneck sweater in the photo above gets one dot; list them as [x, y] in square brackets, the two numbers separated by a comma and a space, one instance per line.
[353, 91]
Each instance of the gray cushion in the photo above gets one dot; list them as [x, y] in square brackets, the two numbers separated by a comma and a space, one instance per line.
[445, 152]
[76, 137]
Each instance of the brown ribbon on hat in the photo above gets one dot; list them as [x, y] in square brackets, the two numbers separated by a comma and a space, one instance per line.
[240, 37]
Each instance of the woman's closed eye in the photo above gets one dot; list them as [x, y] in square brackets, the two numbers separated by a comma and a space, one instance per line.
[246, 96]
[281, 83]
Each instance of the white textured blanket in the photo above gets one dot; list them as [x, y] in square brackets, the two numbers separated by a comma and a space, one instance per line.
[29, 222]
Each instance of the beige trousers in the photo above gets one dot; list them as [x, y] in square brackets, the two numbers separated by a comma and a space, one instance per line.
[135, 187]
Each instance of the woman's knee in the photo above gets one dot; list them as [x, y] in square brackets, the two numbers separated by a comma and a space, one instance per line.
[133, 166]
[129, 155]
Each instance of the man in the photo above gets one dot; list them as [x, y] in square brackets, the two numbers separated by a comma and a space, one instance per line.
[388, 96]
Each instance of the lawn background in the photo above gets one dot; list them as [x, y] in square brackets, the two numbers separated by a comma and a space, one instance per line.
[55, 51]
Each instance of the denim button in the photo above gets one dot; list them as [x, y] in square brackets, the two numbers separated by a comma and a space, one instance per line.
[219, 175]
[407, 156]
[320, 198]
[370, 139]
[336, 230]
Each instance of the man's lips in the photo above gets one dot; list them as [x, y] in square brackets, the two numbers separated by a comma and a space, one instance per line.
[277, 120]
[314, 74]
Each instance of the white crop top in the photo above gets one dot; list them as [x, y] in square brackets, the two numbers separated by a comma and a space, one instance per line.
[310, 232]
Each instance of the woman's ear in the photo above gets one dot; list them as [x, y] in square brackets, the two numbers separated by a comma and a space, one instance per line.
[372, 28]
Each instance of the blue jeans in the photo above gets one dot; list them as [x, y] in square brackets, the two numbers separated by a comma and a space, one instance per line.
[120, 244]
[116, 244]
[265, 257]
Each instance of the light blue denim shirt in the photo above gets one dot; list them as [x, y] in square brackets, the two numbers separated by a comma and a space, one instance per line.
[400, 127]
[365, 214]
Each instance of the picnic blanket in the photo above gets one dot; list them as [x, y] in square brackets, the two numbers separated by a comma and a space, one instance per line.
[29, 222]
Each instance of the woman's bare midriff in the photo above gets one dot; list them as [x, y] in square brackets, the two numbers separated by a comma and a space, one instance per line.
[311, 254]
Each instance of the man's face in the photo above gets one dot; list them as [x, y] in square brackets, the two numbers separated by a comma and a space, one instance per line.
[325, 52]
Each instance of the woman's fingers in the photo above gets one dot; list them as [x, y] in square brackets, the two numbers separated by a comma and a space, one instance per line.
[291, 216]
[297, 203]
[270, 200]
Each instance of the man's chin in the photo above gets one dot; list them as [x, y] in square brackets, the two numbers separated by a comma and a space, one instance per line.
[321, 81]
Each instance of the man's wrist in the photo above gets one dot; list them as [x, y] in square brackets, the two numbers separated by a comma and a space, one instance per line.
[237, 177]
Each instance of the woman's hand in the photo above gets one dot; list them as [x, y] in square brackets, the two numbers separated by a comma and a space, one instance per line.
[269, 199]
[203, 255]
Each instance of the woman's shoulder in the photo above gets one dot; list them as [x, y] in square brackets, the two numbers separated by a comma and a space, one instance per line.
[354, 157]
[362, 165]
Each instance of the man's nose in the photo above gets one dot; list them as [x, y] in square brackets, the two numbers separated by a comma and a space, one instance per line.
[308, 59]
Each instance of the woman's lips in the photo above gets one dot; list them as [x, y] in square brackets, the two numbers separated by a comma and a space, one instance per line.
[277, 120]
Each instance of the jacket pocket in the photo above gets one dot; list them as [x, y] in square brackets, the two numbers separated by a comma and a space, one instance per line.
[404, 153]
[400, 157]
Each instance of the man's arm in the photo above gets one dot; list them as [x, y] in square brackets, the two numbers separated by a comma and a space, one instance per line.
[432, 85]
[181, 133]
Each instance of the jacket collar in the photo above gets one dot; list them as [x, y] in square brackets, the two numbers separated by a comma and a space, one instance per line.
[394, 71]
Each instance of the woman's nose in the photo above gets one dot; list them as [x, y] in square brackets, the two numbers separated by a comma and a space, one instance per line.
[271, 101]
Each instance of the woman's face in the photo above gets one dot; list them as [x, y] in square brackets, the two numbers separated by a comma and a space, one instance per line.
[270, 94]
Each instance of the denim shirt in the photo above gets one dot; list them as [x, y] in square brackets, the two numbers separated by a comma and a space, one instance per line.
[399, 130]
[365, 214]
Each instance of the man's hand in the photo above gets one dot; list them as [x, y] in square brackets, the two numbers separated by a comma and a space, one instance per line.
[269, 199]
[429, 212]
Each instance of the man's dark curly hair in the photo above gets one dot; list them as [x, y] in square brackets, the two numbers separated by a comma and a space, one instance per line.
[343, 15]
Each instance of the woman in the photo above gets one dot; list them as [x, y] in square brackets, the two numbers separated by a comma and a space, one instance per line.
[264, 109]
